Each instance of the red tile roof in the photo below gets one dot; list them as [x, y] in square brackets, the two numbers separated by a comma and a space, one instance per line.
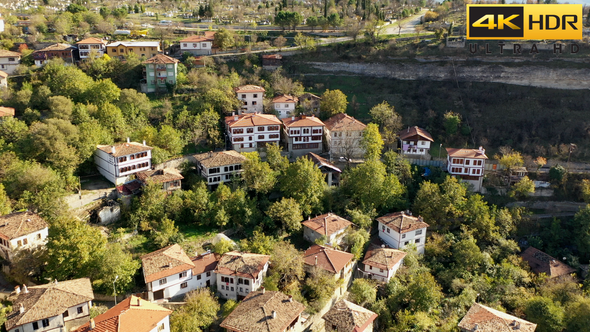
[349, 317]
[124, 149]
[3, 74]
[415, 131]
[198, 38]
[272, 56]
[467, 153]
[221, 158]
[329, 259]
[6, 111]
[242, 264]
[344, 122]
[133, 314]
[540, 262]
[92, 40]
[161, 59]
[327, 224]
[6, 53]
[20, 223]
[159, 175]
[285, 99]
[251, 120]
[322, 162]
[249, 88]
[204, 263]
[303, 121]
[492, 320]
[165, 262]
[383, 258]
[402, 222]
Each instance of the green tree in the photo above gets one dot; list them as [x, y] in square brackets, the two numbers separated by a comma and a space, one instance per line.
[223, 246]
[198, 313]
[581, 223]
[279, 42]
[523, 188]
[510, 160]
[578, 315]
[585, 190]
[319, 287]
[333, 102]
[423, 293]
[357, 240]
[287, 267]
[60, 107]
[361, 219]
[257, 174]
[441, 205]
[557, 173]
[372, 142]
[115, 262]
[397, 165]
[304, 182]
[548, 315]
[389, 121]
[363, 292]
[277, 162]
[134, 105]
[452, 121]
[170, 140]
[5, 205]
[228, 307]
[287, 213]
[224, 39]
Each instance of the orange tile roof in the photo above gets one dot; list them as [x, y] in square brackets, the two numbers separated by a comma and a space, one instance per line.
[415, 131]
[6, 111]
[198, 38]
[20, 223]
[204, 263]
[123, 149]
[402, 222]
[467, 153]
[92, 40]
[383, 258]
[6, 53]
[329, 259]
[249, 88]
[242, 264]
[492, 320]
[349, 317]
[251, 120]
[327, 224]
[56, 47]
[344, 122]
[540, 262]
[322, 162]
[285, 99]
[272, 56]
[161, 59]
[221, 158]
[165, 262]
[133, 314]
[303, 121]
[159, 175]
[3, 74]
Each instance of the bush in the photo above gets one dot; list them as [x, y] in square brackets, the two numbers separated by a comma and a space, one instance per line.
[430, 16]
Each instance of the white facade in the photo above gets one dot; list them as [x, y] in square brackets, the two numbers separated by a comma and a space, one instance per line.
[470, 170]
[170, 286]
[197, 47]
[162, 326]
[345, 143]
[28, 241]
[382, 274]
[332, 240]
[248, 139]
[119, 169]
[285, 109]
[400, 241]
[8, 64]
[205, 279]
[56, 323]
[304, 139]
[86, 49]
[221, 174]
[251, 101]
[415, 148]
[232, 287]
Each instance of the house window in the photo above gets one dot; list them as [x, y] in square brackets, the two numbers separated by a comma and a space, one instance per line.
[25, 241]
[246, 282]
[250, 130]
[198, 277]
[66, 313]
[35, 326]
[161, 327]
[255, 95]
[383, 228]
[184, 285]
[254, 103]
[232, 289]
[406, 243]
[182, 275]
[163, 281]
[381, 270]
[419, 232]
[260, 136]
[241, 289]
[243, 96]
[417, 241]
[388, 231]
[370, 267]
[222, 287]
[467, 162]
[45, 322]
[19, 243]
[80, 310]
[240, 281]
[403, 236]
[11, 59]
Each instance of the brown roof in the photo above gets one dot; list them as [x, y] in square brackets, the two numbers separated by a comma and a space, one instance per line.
[123, 149]
[92, 40]
[540, 262]
[197, 38]
[255, 313]
[132, 314]
[222, 158]
[56, 47]
[402, 222]
[204, 263]
[129, 188]
[322, 162]
[160, 175]
[329, 259]
[303, 121]
[344, 122]
[6, 111]
[165, 262]
[415, 131]
[492, 320]
[3, 74]
[272, 56]
[249, 88]
[242, 264]
[383, 258]
[308, 95]
[467, 153]
[327, 224]
[161, 59]
[285, 99]
[251, 120]
[349, 317]
[7, 53]
[20, 223]
[48, 300]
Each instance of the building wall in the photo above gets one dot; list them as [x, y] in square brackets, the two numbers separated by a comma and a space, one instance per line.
[285, 110]
[110, 167]
[56, 323]
[175, 285]
[239, 289]
[196, 48]
[471, 170]
[157, 75]
[225, 173]
[416, 148]
[301, 140]
[163, 325]
[384, 276]
[248, 139]
[195, 282]
[345, 143]
[141, 51]
[86, 49]
[9, 64]
[252, 101]
[397, 241]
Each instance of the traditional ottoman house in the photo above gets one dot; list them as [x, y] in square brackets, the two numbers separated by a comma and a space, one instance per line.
[336, 262]
[89, 45]
[482, 318]
[381, 263]
[119, 161]
[284, 105]
[9, 61]
[204, 270]
[327, 225]
[21, 230]
[169, 178]
[399, 229]
[248, 132]
[219, 167]
[330, 170]
[541, 262]
[251, 97]
[272, 61]
[415, 142]
[343, 135]
[239, 273]
[346, 316]
[3, 82]
[62, 51]
[198, 44]
[303, 134]
[468, 165]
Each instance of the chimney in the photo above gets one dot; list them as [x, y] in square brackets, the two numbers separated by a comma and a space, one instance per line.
[25, 290]
[475, 327]
[144, 143]
[382, 246]
[55, 281]
[274, 314]
[139, 302]
[316, 260]
[17, 289]
[262, 289]
[128, 141]
[92, 324]
[28, 220]
[292, 118]
[303, 116]
[113, 149]
[236, 118]
[233, 113]
[290, 298]
[21, 309]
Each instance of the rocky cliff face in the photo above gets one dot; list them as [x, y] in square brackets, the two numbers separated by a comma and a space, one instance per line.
[528, 75]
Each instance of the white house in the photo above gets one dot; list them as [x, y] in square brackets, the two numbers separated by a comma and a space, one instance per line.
[198, 45]
[219, 167]
[9, 61]
[468, 165]
[167, 272]
[56, 306]
[239, 273]
[251, 97]
[204, 270]
[21, 230]
[399, 229]
[415, 142]
[482, 318]
[88, 45]
[336, 262]
[346, 316]
[265, 311]
[284, 105]
[132, 314]
[343, 135]
[248, 132]
[303, 134]
[381, 263]
[329, 225]
[118, 162]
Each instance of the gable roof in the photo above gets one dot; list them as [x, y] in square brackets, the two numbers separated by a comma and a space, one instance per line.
[467, 153]
[242, 264]
[3, 74]
[272, 57]
[308, 95]
[383, 257]
[329, 259]
[199, 38]
[285, 99]
[165, 262]
[7, 53]
[540, 262]
[349, 317]
[251, 120]
[49, 300]
[415, 131]
[221, 158]
[322, 162]
[255, 313]
[327, 224]
[134, 44]
[20, 223]
[92, 40]
[132, 314]
[159, 175]
[402, 222]
[123, 149]
[205, 263]
[249, 88]
[6, 111]
[303, 121]
[492, 320]
[161, 59]
[56, 47]
[344, 122]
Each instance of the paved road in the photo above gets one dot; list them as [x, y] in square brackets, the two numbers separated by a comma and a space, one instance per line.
[408, 25]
